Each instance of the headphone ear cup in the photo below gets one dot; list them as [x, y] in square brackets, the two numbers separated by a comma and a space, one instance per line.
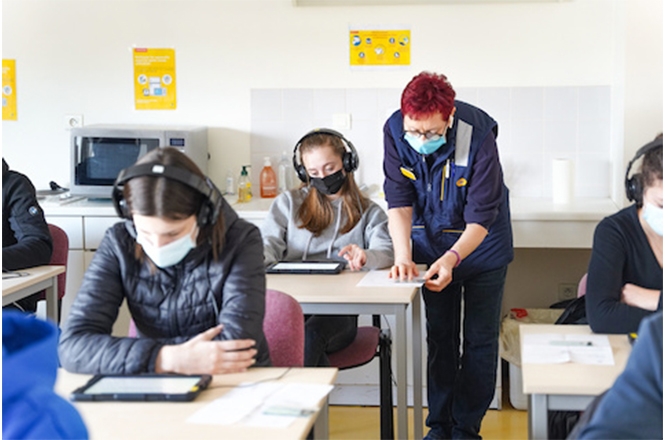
[634, 188]
[350, 162]
[301, 172]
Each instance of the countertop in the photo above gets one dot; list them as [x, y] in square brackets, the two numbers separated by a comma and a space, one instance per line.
[522, 209]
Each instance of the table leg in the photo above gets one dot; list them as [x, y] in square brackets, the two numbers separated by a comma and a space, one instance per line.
[52, 301]
[321, 430]
[401, 353]
[417, 368]
[537, 416]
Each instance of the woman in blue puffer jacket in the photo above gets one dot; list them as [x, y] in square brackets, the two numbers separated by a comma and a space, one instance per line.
[190, 270]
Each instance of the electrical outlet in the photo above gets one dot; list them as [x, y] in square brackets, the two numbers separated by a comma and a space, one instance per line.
[73, 121]
[567, 291]
[341, 121]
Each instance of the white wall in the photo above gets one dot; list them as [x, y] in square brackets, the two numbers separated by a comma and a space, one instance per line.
[73, 57]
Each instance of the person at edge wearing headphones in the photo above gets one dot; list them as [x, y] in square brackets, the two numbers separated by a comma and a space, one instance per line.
[448, 208]
[190, 270]
[625, 277]
[327, 218]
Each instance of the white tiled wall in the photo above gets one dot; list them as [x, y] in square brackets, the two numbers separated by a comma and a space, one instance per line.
[536, 125]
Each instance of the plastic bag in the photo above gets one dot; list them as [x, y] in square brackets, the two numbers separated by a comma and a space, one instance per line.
[510, 329]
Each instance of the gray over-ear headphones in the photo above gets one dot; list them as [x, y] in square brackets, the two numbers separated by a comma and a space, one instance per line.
[349, 160]
[634, 183]
[212, 202]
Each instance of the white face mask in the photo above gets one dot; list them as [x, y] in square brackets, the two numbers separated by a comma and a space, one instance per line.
[171, 253]
[654, 217]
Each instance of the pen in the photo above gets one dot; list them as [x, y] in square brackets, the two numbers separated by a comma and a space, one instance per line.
[572, 343]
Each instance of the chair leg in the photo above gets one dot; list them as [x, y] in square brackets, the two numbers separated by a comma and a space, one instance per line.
[386, 389]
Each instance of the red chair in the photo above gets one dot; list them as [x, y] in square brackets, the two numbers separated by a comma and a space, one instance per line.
[59, 258]
[283, 326]
[372, 341]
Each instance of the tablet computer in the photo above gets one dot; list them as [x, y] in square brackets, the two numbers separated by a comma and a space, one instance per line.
[142, 387]
[306, 267]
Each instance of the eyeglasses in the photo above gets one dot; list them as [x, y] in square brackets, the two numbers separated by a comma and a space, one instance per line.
[431, 135]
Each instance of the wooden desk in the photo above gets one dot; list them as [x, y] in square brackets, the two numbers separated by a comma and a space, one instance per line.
[570, 386]
[167, 420]
[39, 278]
[338, 294]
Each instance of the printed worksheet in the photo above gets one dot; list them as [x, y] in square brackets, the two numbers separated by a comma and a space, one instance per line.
[379, 278]
[554, 348]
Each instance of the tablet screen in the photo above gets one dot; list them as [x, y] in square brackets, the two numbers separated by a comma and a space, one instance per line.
[305, 266]
[143, 385]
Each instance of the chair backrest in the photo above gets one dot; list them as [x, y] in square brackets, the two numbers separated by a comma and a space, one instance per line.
[284, 327]
[59, 256]
[581, 287]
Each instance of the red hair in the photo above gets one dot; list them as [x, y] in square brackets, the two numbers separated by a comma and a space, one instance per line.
[426, 94]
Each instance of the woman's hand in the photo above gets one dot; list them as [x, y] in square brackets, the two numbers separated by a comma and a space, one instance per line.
[443, 268]
[403, 269]
[637, 296]
[355, 255]
[202, 355]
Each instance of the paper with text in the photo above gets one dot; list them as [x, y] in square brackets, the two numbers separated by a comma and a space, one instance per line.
[379, 278]
[555, 348]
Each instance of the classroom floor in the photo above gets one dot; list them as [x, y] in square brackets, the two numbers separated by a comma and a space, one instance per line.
[360, 423]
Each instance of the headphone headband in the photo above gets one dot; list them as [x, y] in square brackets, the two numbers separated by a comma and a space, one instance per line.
[209, 211]
[349, 160]
[633, 185]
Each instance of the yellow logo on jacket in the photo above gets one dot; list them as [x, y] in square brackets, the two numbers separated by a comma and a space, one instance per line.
[461, 182]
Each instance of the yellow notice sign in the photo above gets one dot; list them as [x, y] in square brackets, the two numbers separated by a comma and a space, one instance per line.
[154, 79]
[380, 47]
[9, 112]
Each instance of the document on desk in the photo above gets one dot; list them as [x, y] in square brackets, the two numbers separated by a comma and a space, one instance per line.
[556, 348]
[268, 404]
[380, 278]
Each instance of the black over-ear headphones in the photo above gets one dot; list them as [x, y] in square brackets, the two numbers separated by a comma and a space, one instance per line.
[634, 183]
[209, 211]
[349, 160]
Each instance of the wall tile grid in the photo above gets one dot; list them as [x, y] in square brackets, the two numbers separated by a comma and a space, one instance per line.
[536, 125]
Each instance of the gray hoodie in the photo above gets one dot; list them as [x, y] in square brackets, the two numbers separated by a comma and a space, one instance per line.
[283, 240]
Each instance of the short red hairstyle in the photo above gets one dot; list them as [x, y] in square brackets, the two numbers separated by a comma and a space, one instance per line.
[426, 94]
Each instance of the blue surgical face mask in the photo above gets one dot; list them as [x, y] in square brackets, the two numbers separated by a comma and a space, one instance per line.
[654, 217]
[427, 147]
[169, 254]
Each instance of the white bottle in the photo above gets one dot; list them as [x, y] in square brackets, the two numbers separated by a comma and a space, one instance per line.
[285, 173]
[230, 183]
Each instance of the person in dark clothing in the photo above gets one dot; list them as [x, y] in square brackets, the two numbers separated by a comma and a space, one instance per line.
[633, 407]
[26, 240]
[30, 407]
[190, 270]
[448, 208]
[625, 277]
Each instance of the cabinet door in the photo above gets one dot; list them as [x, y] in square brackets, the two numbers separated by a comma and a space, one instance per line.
[75, 269]
[73, 226]
[94, 229]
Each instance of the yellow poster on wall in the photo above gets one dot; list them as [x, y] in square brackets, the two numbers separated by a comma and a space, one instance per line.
[9, 112]
[379, 47]
[154, 79]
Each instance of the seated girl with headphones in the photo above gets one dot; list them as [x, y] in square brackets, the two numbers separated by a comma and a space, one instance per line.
[625, 279]
[190, 270]
[328, 218]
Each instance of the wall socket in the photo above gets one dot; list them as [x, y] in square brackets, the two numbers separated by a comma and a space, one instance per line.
[73, 121]
[567, 291]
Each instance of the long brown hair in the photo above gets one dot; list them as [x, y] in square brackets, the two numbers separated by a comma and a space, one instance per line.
[167, 198]
[316, 212]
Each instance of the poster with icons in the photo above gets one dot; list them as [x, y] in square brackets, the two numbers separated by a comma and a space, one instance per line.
[154, 79]
[374, 47]
[9, 112]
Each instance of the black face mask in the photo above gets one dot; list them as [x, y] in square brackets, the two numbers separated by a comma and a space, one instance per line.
[329, 185]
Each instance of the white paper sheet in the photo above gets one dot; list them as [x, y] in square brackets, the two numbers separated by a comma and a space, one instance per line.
[379, 278]
[554, 348]
[269, 404]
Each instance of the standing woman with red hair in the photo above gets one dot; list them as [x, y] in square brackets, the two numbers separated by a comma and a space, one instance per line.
[448, 208]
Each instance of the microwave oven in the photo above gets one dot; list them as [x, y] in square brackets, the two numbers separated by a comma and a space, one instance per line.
[100, 152]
